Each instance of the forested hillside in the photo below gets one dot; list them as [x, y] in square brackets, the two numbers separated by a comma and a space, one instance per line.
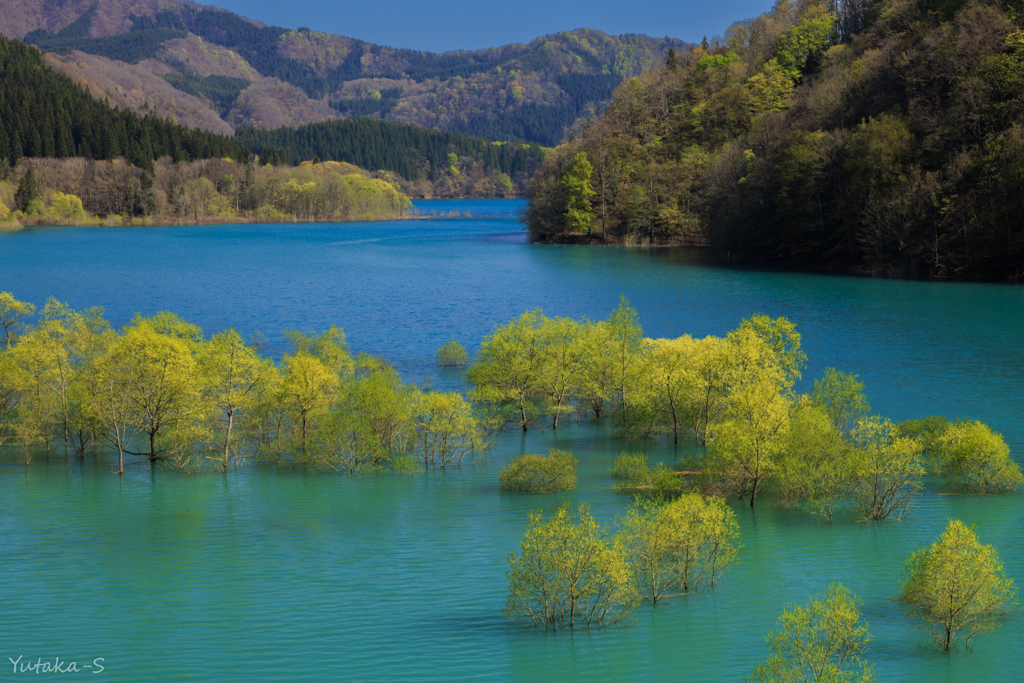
[528, 92]
[885, 137]
[45, 114]
[444, 160]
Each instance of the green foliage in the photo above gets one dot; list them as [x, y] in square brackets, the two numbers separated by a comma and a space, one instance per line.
[973, 457]
[579, 216]
[507, 369]
[803, 44]
[452, 355]
[629, 465]
[836, 171]
[891, 471]
[567, 576]
[957, 585]
[679, 547]
[716, 61]
[749, 442]
[770, 88]
[408, 150]
[842, 397]
[45, 114]
[820, 468]
[820, 641]
[446, 430]
[531, 473]
[658, 483]
[926, 432]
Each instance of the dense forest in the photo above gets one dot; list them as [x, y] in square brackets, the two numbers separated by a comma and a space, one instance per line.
[45, 114]
[408, 151]
[883, 137]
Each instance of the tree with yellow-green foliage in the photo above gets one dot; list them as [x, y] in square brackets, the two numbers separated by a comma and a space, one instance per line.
[13, 314]
[566, 575]
[749, 441]
[452, 354]
[446, 430]
[890, 472]
[957, 585]
[165, 389]
[579, 214]
[65, 207]
[232, 374]
[307, 389]
[680, 546]
[532, 473]
[665, 382]
[568, 345]
[819, 469]
[841, 395]
[973, 457]
[820, 641]
[508, 368]
[803, 43]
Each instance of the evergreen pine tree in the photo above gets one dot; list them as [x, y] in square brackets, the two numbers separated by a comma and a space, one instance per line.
[28, 190]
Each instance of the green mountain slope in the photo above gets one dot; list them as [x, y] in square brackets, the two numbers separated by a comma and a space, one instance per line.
[530, 92]
[45, 114]
[886, 137]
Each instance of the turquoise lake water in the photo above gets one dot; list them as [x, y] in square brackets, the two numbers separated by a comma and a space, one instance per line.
[285, 576]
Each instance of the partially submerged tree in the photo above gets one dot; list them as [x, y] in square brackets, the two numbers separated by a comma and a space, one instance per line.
[842, 397]
[973, 457]
[680, 546]
[891, 469]
[530, 473]
[567, 576]
[508, 367]
[957, 586]
[446, 430]
[452, 355]
[232, 374]
[820, 641]
[819, 469]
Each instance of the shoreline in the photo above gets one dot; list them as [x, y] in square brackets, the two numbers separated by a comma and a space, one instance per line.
[770, 264]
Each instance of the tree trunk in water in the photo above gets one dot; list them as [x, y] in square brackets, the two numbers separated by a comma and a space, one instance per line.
[227, 440]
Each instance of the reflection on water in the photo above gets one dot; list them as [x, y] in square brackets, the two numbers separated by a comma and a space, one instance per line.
[280, 575]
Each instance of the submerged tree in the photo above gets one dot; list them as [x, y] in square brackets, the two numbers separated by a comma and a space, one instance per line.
[680, 546]
[452, 355]
[957, 586]
[973, 457]
[891, 470]
[820, 641]
[566, 575]
[533, 473]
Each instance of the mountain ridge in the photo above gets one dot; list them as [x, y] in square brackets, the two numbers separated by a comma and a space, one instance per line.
[530, 91]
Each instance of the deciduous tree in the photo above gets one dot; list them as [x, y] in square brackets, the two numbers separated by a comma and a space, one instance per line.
[820, 641]
[957, 586]
[567, 575]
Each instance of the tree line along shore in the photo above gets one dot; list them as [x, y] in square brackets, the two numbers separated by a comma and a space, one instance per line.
[880, 138]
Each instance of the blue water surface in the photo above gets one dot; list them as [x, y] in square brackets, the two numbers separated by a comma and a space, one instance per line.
[280, 575]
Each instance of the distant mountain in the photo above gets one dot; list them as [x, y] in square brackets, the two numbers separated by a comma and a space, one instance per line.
[210, 68]
[44, 115]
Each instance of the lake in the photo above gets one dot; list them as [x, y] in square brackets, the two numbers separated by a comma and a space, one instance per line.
[275, 575]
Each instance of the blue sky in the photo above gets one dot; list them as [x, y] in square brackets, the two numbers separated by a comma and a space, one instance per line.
[472, 24]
